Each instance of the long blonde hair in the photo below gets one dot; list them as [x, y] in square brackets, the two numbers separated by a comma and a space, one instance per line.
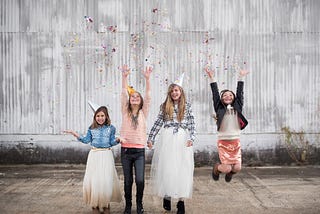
[168, 105]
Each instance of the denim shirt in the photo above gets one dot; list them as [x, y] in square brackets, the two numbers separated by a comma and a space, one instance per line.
[101, 137]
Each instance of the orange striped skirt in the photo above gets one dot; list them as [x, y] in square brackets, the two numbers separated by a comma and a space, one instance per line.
[229, 151]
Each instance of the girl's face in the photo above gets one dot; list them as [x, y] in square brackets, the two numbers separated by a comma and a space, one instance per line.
[135, 99]
[175, 93]
[100, 118]
[227, 97]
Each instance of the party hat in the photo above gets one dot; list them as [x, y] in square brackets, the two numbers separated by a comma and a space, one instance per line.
[93, 106]
[130, 90]
[180, 80]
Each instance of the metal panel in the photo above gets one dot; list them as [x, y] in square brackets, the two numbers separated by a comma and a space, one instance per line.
[53, 59]
[10, 76]
[9, 15]
[36, 83]
[68, 15]
[35, 15]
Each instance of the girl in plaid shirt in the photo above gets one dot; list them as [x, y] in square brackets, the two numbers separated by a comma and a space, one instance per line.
[172, 163]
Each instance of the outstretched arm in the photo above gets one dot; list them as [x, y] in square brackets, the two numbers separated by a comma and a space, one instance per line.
[75, 134]
[84, 139]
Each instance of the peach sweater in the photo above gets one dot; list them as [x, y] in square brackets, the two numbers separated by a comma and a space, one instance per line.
[134, 138]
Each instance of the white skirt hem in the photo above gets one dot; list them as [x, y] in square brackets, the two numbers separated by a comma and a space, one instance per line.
[101, 183]
[172, 165]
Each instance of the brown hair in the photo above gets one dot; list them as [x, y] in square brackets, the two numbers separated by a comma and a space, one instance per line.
[168, 105]
[105, 111]
[134, 119]
[227, 90]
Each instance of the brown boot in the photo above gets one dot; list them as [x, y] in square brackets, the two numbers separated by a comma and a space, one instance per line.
[215, 172]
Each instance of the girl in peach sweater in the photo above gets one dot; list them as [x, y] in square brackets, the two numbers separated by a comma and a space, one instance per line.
[133, 137]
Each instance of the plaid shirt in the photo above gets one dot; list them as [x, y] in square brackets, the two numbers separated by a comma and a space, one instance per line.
[186, 123]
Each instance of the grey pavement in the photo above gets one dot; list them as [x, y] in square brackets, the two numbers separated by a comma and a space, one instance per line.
[58, 189]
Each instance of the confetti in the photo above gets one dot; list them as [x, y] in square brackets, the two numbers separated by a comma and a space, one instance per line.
[88, 18]
[112, 29]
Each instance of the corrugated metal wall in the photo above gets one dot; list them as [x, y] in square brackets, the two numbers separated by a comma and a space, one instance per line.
[53, 60]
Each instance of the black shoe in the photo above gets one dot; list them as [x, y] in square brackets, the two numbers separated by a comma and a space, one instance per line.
[95, 210]
[228, 176]
[166, 204]
[215, 172]
[106, 209]
[140, 209]
[180, 206]
[127, 210]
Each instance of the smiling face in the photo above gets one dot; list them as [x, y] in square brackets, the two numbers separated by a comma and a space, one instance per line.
[135, 98]
[227, 97]
[100, 118]
[175, 93]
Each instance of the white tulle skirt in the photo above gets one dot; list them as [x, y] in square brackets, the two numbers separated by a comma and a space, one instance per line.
[172, 165]
[101, 183]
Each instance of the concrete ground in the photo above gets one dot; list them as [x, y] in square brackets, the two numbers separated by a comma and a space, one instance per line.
[58, 189]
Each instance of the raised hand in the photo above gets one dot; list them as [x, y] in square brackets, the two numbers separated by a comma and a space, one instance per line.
[71, 132]
[147, 72]
[243, 72]
[68, 131]
[125, 70]
[209, 72]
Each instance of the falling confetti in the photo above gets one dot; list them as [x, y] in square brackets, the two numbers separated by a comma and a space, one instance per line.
[80, 48]
[88, 19]
[112, 29]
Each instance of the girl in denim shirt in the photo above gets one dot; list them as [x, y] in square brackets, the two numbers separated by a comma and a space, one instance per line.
[100, 183]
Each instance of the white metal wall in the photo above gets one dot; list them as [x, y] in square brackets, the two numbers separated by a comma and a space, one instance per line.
[53, 60]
